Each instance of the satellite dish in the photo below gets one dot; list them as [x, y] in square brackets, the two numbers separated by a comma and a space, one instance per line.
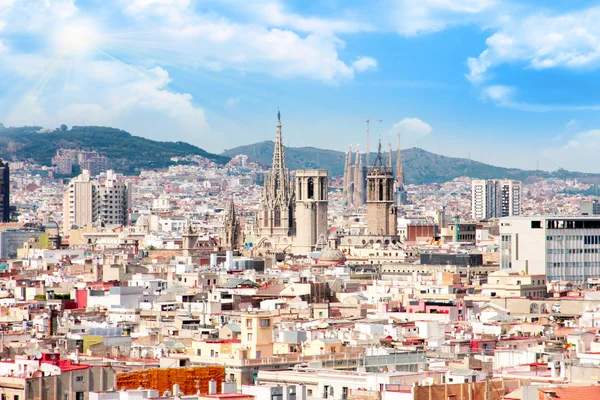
[38, 356]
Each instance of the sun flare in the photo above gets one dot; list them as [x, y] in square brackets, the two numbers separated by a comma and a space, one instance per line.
[77, 38]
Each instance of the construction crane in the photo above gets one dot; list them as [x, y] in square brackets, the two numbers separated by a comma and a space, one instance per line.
[368, 121]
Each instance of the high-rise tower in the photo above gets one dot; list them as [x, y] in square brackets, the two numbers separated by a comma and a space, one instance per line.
[311, 209]
[381, 211]
[4, 192]
[276, 215]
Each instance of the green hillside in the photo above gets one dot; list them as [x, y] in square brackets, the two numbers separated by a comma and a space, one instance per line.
[420, 166]
[127, 153]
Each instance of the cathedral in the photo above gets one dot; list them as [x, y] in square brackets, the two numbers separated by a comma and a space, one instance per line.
[293, 212]
[292, 217]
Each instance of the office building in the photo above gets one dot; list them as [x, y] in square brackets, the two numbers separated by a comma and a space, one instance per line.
[495, 198]
[592, 208]
[562, 248]
[4, 192]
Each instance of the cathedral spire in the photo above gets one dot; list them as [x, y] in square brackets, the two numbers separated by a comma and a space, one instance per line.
[359, 178]
[278, 168]
[379, 160]
[399, 170]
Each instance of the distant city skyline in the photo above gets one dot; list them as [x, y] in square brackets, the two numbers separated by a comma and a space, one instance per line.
[507, 83]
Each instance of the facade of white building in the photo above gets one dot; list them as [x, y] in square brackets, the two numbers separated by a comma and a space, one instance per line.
[562, 248]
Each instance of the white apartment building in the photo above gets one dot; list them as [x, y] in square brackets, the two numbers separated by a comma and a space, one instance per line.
[495, 198]
[113, 199]
[88, 201]
[562, 248]
[78, 202]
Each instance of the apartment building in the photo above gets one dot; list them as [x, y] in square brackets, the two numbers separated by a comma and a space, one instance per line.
[89, 201]
[495, 198]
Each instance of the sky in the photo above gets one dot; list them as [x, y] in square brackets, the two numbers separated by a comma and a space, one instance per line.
[513, 84]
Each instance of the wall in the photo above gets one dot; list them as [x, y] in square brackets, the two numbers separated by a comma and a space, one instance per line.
[164, 379]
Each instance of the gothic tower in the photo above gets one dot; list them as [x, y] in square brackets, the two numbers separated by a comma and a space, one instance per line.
[359, 179]
[400, 193]
[232, 234]
[311, 209]
[348, 177]
[276, 215]
[381, 212]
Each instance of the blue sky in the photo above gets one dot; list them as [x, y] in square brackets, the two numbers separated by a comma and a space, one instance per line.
[508, 83]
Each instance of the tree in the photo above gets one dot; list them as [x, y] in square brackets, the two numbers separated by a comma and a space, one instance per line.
[64, 128]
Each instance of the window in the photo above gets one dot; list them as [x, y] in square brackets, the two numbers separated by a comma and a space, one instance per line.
[536, 224]
[79, 379]
[277, 222]
[265, 323]
[250, 336]
[231, 378]
[248, 323]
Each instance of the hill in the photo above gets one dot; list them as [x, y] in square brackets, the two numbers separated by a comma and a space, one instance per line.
[128, 153]
[420, 166]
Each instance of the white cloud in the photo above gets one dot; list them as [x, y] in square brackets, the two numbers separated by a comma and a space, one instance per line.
[572, 124]
[34, 16]
[411, 128]
[364, 63]
[232, 102]
[273, 12]
[501, 94]
[138, 101]
[425, 16]
[269, 44]
[579, 153]
[504, 96]
[542, 41]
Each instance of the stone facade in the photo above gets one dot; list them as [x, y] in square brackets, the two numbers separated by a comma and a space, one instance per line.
[232, 236]
[276, 217]
[381, 211]
[311, 210]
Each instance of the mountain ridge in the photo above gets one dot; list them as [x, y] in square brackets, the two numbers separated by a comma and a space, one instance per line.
[420, 166]
[127, 153]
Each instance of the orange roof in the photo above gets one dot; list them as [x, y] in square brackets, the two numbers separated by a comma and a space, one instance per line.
[573, 392]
